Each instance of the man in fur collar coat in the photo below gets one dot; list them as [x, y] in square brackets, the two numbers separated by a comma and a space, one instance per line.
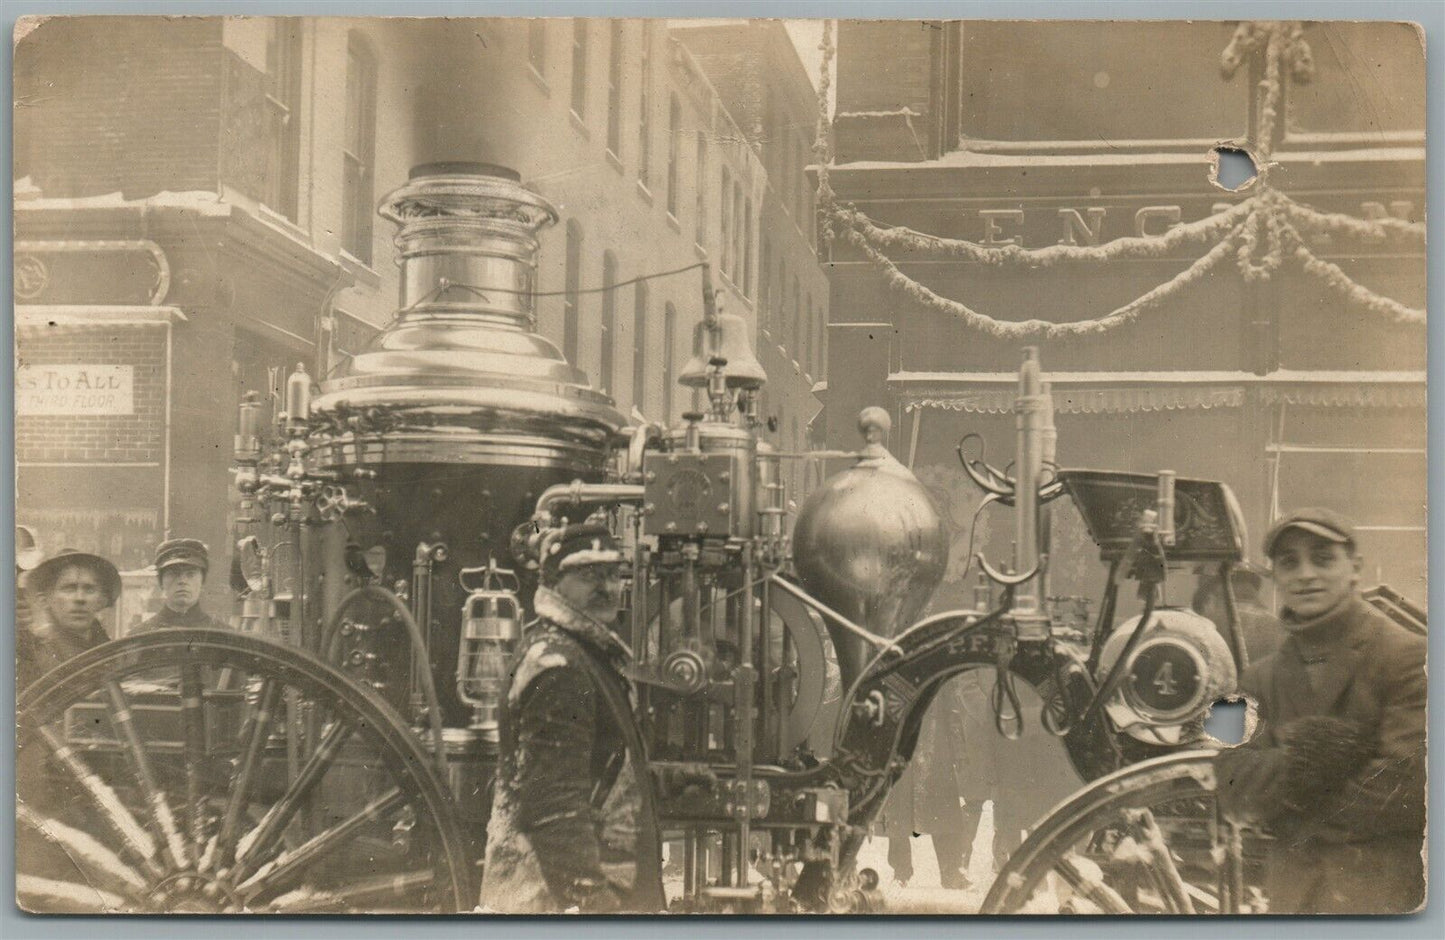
[573, 825]
[1336, 768]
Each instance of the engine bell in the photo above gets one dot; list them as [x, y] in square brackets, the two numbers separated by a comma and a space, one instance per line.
[728, 339]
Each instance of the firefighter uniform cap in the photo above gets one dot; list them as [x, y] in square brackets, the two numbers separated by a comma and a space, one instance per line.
[577, 546]
[1326, 523]
[174, 552]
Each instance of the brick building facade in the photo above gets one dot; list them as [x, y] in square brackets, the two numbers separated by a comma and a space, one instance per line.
[991, 132]
[195, 215]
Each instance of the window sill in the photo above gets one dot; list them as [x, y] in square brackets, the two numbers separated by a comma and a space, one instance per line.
[276, 220]
[701, 251]
[364, 273]
[538, 80]
[676, 225]
[644, 193]
[580, 125]
[616, 162]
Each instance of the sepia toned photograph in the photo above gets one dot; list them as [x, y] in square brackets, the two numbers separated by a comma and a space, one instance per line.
[719, 466]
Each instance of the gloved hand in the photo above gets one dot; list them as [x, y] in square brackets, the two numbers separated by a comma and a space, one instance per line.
[1323, 752]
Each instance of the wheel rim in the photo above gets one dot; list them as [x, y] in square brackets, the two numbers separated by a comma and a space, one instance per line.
[202, 771]
[1146, 839]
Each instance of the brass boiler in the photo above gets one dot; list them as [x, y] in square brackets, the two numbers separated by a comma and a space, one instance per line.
[464, 413]
[870, 544]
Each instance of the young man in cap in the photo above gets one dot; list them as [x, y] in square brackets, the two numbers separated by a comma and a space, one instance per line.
[571, 826]
[1336, 768]
[68, 590]
[181, 567]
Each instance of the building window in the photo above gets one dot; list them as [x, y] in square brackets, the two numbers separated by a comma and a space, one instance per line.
[738, 229]
[765, 262]
[794, 445]
[806, 355]
[571, 312]
[702, 188]
[800, 181]
[609, 322]
[579, 68]
[614, 90]
[359, 153]
[822, 341]
[639, 348]
[781, 320]
[537, 43]
[283, 103]
[669, 343]
[644, 109]
[674, 128]
[725, 217]
[797, 318]
[745, 241]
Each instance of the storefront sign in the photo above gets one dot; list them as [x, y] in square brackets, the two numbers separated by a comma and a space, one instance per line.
[75, 390]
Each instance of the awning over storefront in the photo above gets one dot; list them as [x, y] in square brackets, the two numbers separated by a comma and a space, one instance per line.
[1138, 392]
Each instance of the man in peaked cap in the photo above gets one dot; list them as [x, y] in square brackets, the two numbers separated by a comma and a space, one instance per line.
[181, 567]
[572, 823]
[1336, 767]
[68, 590]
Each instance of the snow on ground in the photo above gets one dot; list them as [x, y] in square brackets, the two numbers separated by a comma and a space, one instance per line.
[923, 894]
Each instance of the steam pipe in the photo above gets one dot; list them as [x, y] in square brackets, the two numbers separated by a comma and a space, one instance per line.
[641, 435]
[1029, 418]
[577, 493]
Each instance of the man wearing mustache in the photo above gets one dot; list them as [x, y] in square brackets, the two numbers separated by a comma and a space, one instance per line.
[1336, 768]
[572, 824]
[181, 567]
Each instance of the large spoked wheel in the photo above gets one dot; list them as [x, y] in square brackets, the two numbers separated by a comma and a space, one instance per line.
[1146, 839]
[203, 771]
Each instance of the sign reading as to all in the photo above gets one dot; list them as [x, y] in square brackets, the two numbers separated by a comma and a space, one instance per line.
[75, 390]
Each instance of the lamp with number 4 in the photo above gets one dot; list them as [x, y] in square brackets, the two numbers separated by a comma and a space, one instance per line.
[1180, 668]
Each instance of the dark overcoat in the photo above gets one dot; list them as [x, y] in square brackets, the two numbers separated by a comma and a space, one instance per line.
[1348, 834]
[195, 616]
[572, 823]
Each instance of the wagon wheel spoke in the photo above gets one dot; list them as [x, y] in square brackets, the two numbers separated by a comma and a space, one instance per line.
[1159, 862]
[400, 886]
[293, 864]
[266, 836]
[113, 812]
[1086, 878]
[193, 729]
[253, 738]
[84, 850]
[123, 805]
[34, 893]
[1231, 869]
[123, 719]
[1156, 833]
